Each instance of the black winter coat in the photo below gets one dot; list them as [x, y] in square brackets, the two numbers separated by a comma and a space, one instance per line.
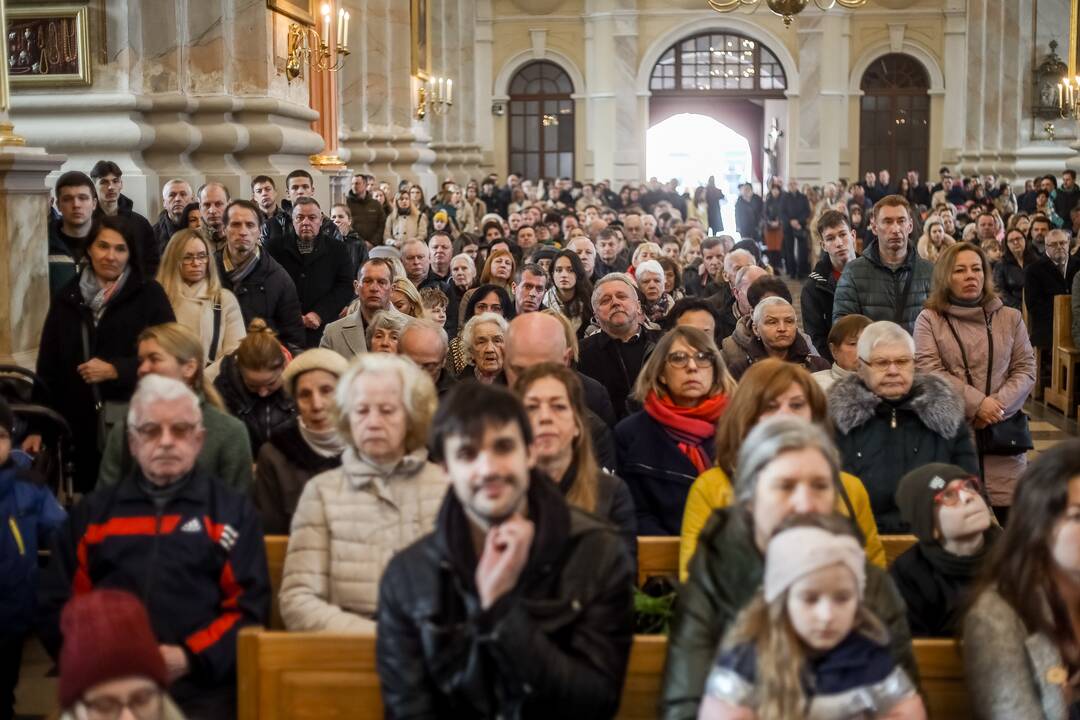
[881, 441]
[140, 230]
[749, 214]
[817, 305]
[613, 503]
[602, 358]
[261, 415]
[1009, 278]
[198, 564]
[323, 278]
[164, 229]
[1042, 283]
[557, 645]
[934, 585]
[268, 293]
[135, 307]
[657, 472]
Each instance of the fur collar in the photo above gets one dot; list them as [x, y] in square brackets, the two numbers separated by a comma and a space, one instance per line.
[932, 400]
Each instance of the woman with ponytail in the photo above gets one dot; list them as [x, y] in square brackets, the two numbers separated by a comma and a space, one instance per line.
[172, 350]
[250, 383]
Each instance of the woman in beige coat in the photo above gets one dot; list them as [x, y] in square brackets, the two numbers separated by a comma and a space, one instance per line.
[189, 276]
[969, 337]
[405, 223]
[386, 495]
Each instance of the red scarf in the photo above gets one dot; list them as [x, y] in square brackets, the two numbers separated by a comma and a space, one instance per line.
[690, 427]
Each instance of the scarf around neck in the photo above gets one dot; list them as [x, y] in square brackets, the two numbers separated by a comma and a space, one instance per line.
[97, 296]
[692, 428]
[237, 273]
[325, 443]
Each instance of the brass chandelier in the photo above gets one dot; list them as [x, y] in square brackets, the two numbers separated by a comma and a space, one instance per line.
[786, 9]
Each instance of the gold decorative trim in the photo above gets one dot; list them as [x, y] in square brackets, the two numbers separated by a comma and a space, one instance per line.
[294, 10]
[327, 161]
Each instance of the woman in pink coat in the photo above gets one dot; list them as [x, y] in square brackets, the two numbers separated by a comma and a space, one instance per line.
[969, 337]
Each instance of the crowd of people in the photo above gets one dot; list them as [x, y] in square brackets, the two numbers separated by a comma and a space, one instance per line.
[464, 409]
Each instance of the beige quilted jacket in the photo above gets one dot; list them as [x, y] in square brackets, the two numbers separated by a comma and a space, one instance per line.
[349, 523]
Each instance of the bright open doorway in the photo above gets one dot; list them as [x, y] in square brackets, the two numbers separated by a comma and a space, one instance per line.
[692, 147]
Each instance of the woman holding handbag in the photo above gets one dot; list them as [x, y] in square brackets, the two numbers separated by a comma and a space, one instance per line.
[969, 337]
[89, 346]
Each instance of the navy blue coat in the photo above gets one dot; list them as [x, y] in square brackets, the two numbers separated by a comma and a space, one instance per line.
[657, 472]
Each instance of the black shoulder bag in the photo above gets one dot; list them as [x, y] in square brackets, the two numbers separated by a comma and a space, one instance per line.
[109, 412]
[212, 353]
[1011, 436]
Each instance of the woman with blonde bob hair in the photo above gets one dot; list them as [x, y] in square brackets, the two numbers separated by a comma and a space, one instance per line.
[555, 402]
[351, 520]
[769, 388]
[173, 351]
[406, 298]
[684, 387]
[189, 275]
[967, 336]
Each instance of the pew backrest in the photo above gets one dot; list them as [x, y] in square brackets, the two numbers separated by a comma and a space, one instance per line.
[658, 556]
[895, 546]
[276, 545]
[1063, 340]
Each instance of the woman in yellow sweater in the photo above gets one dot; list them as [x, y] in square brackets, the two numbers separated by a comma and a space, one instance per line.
[770, 387]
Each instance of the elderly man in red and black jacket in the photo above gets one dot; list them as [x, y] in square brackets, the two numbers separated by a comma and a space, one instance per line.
[176, 537]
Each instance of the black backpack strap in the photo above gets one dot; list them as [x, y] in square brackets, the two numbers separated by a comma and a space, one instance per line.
[212, 353]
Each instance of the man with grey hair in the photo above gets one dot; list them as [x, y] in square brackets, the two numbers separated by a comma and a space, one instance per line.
[775, 334]
[614, 355]
[724, 301]
[585, 250]
[319, 265]
[425, 343]
[1050, 275]
[175, 196]
[175, 536]
[348, 336]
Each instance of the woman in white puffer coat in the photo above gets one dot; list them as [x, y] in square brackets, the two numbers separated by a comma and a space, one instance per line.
[351, 520]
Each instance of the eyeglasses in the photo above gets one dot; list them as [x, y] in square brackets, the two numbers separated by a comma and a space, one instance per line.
[144, 704]
[883, 364]
[682, 359]
[151, 432]
[951, 494]
[198, 259]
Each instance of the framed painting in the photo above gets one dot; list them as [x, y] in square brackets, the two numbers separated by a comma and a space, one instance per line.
[420, 19]
[48, 45]
[297, 10]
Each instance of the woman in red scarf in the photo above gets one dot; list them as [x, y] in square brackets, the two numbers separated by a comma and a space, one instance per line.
[684, 387]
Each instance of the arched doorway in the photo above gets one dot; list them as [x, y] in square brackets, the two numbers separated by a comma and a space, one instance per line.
[894, 118]
[541, 121]
[726, 157]
[724, 75]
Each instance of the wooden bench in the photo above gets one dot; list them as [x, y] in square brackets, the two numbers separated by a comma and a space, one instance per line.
[658, 556]
[1061, 392]
[297, 676]
[895, 546]
[276, 545]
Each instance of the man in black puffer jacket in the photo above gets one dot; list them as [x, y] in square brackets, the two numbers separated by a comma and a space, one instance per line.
[517, 605]
[890, 281]
[838, 246]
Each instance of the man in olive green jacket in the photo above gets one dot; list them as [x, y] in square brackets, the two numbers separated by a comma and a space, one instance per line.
[726, 571]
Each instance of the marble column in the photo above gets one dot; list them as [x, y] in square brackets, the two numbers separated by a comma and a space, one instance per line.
[955, 71]
[615, 137]
[822, 134]
[482, 84]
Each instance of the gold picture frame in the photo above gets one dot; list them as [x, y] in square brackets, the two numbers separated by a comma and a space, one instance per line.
[420, 21]
[48, 45]
[297, 10]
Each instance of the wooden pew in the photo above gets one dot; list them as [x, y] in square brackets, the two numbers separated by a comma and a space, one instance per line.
[276, 545]
[1065, 360]
[657, 556]
[895, 546]
[296, 676]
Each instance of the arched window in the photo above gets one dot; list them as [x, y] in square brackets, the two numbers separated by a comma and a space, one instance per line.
[894, 122]
[719, 63]
[541, 121]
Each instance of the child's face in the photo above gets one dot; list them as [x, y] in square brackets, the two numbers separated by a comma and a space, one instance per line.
[438, 314]
[961, 511]
[5, 446]
[822, 606]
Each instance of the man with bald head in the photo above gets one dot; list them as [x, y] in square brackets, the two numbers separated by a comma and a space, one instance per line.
[213, 199]
[743, 279]
[425, 343]
[541, 337]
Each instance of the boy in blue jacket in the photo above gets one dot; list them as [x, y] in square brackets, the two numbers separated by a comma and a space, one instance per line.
[29, 514]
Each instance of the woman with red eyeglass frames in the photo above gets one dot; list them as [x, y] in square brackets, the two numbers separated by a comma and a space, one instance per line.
[947, 512]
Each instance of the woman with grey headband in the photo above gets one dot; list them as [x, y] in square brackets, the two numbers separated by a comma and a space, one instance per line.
[786, 466]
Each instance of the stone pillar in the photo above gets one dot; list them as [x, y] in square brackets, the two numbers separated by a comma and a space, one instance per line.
[615, 136]
[955, 70]
[483, 78]
[824, 41]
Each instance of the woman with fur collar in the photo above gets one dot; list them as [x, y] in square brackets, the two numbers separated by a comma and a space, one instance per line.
[890, 421]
